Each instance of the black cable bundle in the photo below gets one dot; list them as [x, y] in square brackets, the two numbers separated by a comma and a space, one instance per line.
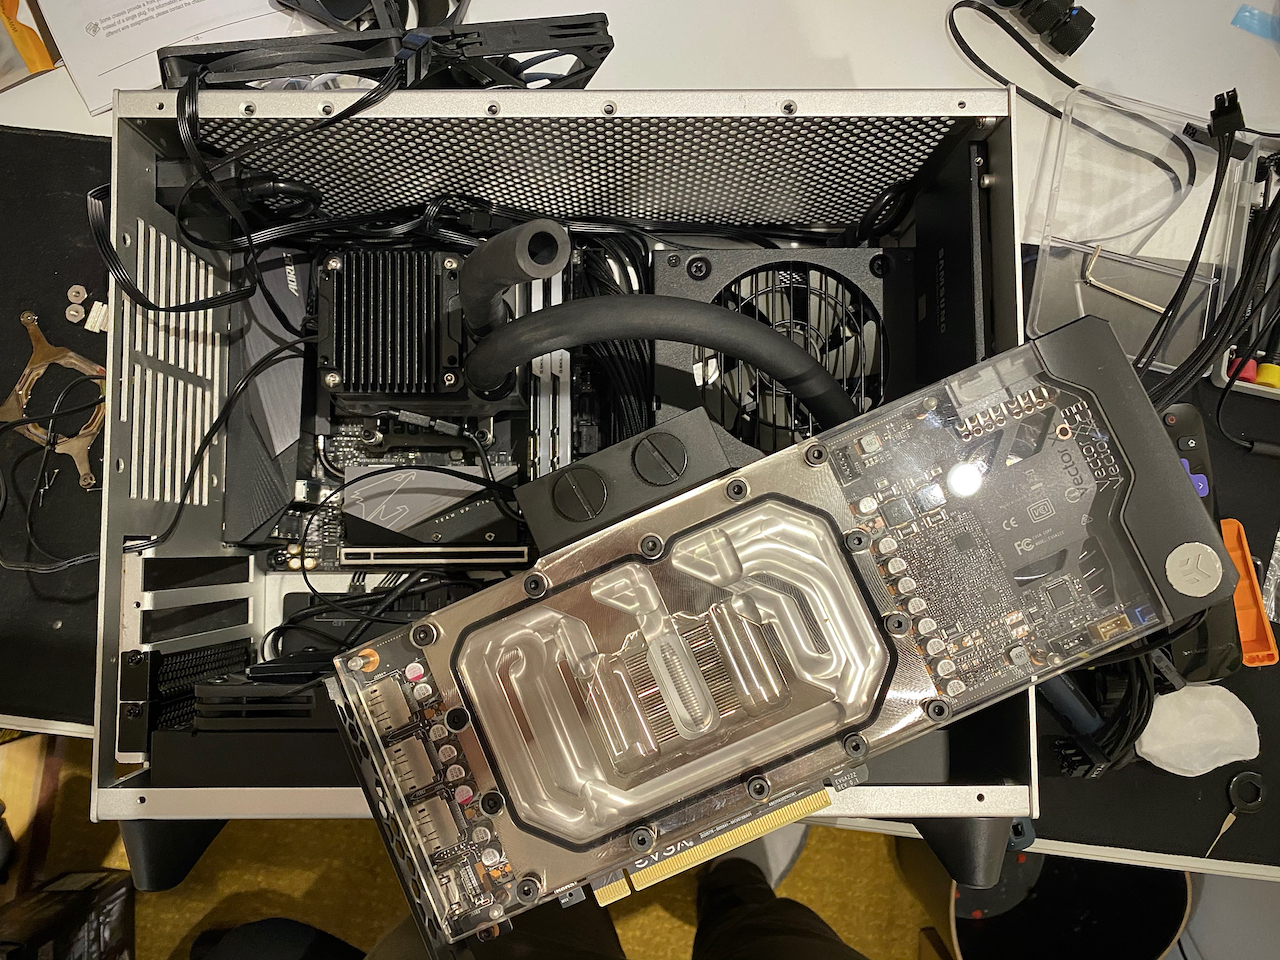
[617, 265]
[1132, 666]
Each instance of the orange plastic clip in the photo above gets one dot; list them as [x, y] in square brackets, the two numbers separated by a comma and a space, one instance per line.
[1257, 642]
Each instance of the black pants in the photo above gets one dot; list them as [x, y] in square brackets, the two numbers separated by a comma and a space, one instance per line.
[739, 917]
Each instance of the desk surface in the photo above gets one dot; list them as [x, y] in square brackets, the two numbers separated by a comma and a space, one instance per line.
[48, 624]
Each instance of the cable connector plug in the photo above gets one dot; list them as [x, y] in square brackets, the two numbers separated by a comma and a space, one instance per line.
[434, 424]
[1226, 117]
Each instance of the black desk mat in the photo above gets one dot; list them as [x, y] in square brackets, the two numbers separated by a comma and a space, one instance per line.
[1142, 807]
[48, 623]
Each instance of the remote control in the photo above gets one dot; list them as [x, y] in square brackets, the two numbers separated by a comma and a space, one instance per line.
[1185, 427]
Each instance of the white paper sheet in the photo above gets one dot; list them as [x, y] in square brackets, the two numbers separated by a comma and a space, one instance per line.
[111, 45]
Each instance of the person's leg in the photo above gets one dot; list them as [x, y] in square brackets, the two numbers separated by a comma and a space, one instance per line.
[741, 918]
[549, 932]
[274, 939]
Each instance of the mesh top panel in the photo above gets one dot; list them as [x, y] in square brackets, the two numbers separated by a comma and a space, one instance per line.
[730, 170]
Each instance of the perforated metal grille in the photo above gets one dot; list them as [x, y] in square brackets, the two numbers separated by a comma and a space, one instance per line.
[170, 373]
[739, 170]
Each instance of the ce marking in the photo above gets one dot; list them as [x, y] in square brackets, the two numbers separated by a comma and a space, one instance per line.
[1010, 524]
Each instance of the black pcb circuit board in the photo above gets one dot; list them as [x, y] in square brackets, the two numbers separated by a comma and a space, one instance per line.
[996, 531]
[317, 536]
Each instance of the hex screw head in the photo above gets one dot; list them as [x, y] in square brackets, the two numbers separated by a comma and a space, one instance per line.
[642, 839]
[736, 489]
[898, 624]
[855, 745]
[758, 788]
[425, 634]
[815, 455]
[535, 585]
[937, 710]
[651, 546]
[858, 540]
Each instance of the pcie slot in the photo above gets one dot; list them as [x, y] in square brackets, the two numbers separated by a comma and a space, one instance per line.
[449, 556]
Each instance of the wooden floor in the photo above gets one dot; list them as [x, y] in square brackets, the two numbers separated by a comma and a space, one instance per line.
[335, 874]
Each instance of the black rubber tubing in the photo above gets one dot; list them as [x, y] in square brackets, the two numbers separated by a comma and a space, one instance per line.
[647, 317]
[536, 250]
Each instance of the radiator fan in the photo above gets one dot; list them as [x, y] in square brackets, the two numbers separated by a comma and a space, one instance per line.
[818, 305]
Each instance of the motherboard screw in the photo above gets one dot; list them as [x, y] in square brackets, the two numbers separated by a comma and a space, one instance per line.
[334, 263]
[651, 546]
[333, 379]
[492, 803]
[735, 489]
[534, 585]
[450, 263]
[425, 634]
[450, 379]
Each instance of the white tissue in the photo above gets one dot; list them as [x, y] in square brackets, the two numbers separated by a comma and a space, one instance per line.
[1197, 729]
